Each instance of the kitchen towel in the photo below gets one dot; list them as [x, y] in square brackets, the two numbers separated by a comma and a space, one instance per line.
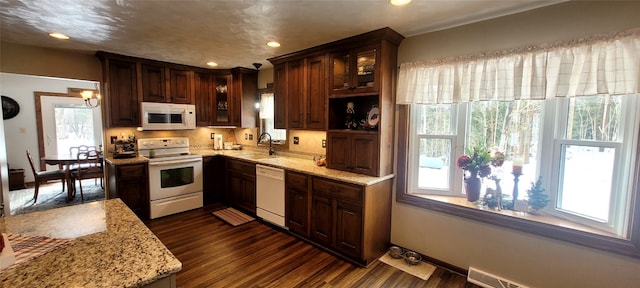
[233, 216]
[28, 247]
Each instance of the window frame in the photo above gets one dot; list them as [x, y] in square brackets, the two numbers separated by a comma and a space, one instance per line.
[282, 143]
[629, 246]
[459, 124]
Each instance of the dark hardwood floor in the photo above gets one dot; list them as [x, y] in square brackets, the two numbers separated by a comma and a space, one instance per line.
[215, 254]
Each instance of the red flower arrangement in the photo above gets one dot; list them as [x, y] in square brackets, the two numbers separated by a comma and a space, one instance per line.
[480, 161]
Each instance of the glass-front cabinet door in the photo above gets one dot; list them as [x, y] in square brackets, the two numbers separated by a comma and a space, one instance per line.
[340, 68]
[365, 68]
[222, 101]
[355, 71]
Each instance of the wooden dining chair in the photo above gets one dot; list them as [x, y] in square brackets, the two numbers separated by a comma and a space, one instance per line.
[75, 150]
[44, 176]
[89, 167]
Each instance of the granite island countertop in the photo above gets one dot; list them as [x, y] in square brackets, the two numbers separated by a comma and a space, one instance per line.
[110, 247]
[285, 161]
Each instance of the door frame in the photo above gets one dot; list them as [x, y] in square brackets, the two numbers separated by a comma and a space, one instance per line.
[73, 93]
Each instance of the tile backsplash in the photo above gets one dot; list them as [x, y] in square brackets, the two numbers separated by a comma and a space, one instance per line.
[310, 142]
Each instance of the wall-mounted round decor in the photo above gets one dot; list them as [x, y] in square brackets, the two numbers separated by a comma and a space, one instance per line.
[10, 107]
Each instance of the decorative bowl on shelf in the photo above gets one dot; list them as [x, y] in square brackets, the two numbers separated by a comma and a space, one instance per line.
[412, 258]
[395, 252]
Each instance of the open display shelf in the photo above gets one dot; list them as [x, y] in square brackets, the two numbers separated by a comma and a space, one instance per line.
[364, 116]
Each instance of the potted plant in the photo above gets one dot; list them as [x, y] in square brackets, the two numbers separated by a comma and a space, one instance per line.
[478, 161]
[538, 199]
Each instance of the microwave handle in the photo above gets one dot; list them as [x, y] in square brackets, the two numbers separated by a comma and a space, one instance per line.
[165, 163]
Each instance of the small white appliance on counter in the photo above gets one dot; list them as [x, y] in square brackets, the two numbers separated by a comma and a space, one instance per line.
[217, 142]
[270, 194]
[168, 116]
[175, 175]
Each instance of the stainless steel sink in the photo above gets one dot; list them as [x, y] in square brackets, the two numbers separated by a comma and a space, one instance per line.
[255, 156]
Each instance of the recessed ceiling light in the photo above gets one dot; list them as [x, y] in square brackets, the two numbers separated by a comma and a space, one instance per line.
[400, 2]
[273, 44]
[211, 63]
[59, 36]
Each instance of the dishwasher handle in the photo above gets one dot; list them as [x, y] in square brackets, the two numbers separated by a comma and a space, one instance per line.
[269, 172]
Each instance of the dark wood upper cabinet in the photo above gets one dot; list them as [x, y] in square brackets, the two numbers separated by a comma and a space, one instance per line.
[222, 100]
[245, 93]
[348, 89]
[301, 85]
[223, 97]
[226, 97]
[121, 92]
[316, 93]
[355, 152]
[295, 94]
[355, 71]
[154, 85]
[164, 84]
[180, 86]
[280, 96]
[203, 90]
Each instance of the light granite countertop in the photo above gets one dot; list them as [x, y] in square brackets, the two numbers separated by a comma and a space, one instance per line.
[110, 247]
[298, 164]
[285, 161]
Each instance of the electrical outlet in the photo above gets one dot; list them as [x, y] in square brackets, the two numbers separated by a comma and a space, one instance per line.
[246, 136]
[296, 140]
[324, 143]
[113, 139]
[213, 135]
[250, 136]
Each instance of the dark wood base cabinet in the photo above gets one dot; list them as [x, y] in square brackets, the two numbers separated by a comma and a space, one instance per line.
[130, 183]
[241, 185]
[352, 220]
[214, 182]
[355, 152]
[297, 202]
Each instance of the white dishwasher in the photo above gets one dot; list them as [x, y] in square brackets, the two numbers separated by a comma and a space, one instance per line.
[270, 194]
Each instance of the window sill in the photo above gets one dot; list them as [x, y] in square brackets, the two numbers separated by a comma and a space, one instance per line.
[542, 218]
[543, 225]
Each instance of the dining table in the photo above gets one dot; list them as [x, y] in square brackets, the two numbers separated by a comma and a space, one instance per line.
[65, 161]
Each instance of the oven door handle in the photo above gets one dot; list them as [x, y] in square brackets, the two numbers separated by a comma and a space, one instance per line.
[165, 163]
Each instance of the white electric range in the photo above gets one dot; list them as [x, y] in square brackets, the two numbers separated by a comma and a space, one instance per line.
[175, 175]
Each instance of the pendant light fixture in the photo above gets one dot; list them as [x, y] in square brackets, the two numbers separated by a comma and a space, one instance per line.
[88, 96]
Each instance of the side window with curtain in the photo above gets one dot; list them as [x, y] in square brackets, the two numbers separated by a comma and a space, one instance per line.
[278, 136]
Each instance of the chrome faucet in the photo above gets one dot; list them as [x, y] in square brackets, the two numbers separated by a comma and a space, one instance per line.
[271, 150]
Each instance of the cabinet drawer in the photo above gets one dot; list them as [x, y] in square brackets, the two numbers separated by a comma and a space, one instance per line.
[242, 167]
[338, 190]
[297, 180]
[131, 171]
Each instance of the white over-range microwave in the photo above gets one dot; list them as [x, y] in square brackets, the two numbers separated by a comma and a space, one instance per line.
[168, 116]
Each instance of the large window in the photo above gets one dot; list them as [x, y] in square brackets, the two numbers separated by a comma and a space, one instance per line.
[74, 127]
[589, 152]
[579, 146]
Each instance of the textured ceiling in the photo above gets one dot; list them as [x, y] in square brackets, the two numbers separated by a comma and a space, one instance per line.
[229, 32]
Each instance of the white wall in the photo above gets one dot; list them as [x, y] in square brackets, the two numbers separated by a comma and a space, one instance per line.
[21, 131]
[524, 258]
